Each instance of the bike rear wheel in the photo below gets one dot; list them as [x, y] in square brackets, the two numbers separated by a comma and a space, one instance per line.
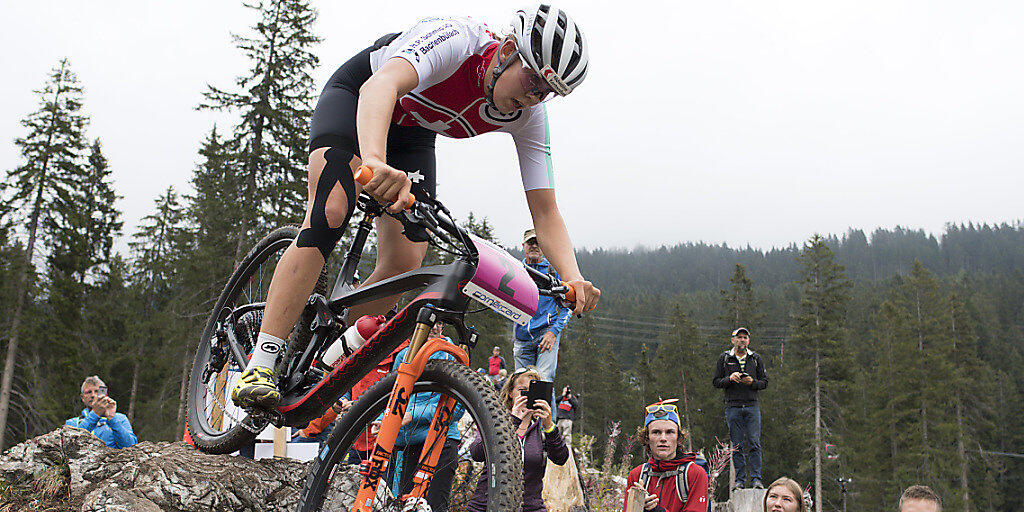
[214, 423]
[327, 490]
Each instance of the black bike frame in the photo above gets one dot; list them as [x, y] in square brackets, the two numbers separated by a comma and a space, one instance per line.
[302, 401]
[443, 291]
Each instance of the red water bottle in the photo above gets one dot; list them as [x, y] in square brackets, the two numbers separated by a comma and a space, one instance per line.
[354, 337]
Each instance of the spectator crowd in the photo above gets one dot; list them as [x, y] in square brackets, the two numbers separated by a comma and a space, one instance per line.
[669, 479]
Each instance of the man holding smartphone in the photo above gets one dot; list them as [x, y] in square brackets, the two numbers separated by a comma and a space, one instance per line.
[100, 416]
[536, 343]
[741, 373]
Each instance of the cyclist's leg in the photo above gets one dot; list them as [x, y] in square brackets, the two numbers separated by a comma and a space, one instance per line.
[330, 203]
[326, 216]
[331, 197]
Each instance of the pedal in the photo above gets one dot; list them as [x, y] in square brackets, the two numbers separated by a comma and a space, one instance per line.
[260, 418]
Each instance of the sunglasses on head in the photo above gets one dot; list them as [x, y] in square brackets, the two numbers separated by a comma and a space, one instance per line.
[663, 408]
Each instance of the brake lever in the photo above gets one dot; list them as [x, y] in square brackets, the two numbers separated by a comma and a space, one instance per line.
[427, 214]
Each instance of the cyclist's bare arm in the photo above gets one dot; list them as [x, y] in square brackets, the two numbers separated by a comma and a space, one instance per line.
[554, 241]
[377, 98]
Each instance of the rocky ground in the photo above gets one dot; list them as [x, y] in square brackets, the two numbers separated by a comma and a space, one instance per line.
[69, 469]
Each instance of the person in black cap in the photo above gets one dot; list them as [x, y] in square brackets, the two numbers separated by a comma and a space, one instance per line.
[741, 373]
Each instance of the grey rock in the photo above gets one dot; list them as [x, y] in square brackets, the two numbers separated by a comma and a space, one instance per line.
[81, 473]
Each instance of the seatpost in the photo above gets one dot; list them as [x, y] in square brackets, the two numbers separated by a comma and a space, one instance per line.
[355, 252]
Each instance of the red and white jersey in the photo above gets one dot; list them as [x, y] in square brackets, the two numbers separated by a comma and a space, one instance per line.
[450, 56]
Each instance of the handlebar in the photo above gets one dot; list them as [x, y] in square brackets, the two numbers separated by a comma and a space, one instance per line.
[364, 174]
[548, 285]
[425, 215]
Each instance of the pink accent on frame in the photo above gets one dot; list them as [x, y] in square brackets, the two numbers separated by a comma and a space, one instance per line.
[504, 277]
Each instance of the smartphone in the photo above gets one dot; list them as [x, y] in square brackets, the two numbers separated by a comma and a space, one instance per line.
[539, 390]
[744, 375]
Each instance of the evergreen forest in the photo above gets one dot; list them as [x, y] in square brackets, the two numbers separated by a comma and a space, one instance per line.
[892, 355]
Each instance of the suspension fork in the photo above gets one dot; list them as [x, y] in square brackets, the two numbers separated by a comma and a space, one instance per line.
[409, 371]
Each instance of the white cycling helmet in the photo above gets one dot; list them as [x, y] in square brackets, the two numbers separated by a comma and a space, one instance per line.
[553, 45]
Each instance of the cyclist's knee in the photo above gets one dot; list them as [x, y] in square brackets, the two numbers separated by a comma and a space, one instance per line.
[337, 207]
[333, 202]
[317, 160]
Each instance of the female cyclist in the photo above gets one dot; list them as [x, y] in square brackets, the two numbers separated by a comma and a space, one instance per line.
[383, 109]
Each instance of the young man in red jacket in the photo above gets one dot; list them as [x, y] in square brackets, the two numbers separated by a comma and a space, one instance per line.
[671, 480]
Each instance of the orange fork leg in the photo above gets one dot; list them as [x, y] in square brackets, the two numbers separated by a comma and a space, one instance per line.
[432, 447]
[407, 376]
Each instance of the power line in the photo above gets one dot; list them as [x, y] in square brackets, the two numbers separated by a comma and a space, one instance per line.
[1004, 454]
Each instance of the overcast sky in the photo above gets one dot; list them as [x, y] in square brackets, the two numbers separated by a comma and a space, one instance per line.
[755, 122]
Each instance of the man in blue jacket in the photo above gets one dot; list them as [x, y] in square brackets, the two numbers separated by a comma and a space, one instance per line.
[100, 416]
[536, 343]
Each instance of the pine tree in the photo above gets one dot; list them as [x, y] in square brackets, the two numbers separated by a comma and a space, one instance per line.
[80, 231]
[274, 103]
[650, 391]
[740, 305]
[84, 221]
[212, 219]
[917, 318]
[52, 152]
[682, 368]
[820, 329]
[157, 257]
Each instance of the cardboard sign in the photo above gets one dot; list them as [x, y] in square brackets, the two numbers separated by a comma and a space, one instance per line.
[635, 500]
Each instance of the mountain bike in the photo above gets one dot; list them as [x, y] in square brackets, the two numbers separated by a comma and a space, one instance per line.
[480, 270]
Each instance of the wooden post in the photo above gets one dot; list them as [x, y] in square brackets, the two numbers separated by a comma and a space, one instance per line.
[732, 475]
[280, 443]
[219, 389]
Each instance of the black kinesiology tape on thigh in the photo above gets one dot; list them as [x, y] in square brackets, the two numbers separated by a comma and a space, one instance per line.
[320, 234]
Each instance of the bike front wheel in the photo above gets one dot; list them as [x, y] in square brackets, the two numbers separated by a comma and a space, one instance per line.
[327, 489]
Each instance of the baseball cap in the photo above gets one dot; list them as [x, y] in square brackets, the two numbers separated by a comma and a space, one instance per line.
[528, 234]
[740, 329]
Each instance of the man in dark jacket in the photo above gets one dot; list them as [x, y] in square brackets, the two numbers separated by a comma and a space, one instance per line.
[741, 373]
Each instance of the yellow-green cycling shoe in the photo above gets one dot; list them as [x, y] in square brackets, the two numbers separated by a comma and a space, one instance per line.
[256, 388]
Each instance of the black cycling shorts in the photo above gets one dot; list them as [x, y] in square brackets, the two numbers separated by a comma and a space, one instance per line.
[410, 148]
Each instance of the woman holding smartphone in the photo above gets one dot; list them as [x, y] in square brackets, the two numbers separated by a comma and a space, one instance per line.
[537, 434]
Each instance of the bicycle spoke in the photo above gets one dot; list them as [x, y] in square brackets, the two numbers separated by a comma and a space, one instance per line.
[458, 477]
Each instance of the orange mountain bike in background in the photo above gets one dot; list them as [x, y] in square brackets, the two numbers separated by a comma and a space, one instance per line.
[481, 271]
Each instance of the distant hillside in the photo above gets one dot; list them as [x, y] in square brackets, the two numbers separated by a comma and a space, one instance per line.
[692, 267]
